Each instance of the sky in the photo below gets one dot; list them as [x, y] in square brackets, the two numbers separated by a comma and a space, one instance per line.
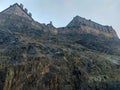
[61, 12]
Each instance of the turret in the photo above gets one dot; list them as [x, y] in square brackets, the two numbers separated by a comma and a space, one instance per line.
[21, 5]
[26, 10]
[51, 23]
[30, 14]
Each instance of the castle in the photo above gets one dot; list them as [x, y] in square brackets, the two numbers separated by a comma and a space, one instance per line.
[18, 10]
[78, 25]
[87, 26]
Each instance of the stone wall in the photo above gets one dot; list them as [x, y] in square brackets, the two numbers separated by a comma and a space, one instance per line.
[18, 10]
[78, 21]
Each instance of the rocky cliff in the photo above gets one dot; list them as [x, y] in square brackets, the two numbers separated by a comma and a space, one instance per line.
[35, 56]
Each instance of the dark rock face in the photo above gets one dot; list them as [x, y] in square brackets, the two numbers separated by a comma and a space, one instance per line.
[34, 56]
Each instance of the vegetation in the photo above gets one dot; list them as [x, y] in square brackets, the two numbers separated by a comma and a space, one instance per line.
[32, 58]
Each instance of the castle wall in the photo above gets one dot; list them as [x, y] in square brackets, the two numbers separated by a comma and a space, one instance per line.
[16, 9]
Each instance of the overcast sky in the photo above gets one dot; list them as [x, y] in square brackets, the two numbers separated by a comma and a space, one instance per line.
[61, 12]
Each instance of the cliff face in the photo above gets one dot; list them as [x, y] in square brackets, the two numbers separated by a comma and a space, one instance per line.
[82, 25]
[35, 56]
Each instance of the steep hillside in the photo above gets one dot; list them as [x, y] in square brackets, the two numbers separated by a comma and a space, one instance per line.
[35, 56]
